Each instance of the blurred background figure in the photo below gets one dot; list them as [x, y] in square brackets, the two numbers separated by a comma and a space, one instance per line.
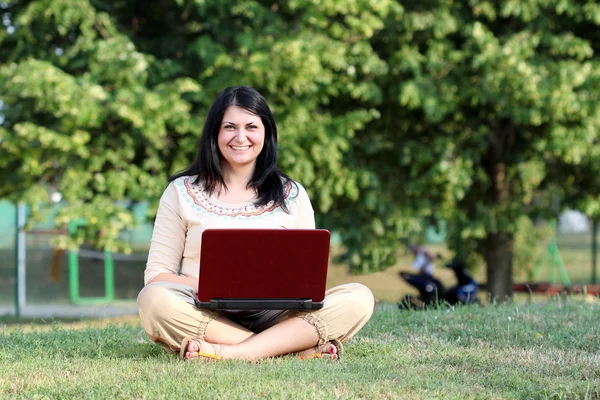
[429, 288]
[424, 260]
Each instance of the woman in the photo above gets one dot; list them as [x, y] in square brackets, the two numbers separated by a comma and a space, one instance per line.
[235, 183]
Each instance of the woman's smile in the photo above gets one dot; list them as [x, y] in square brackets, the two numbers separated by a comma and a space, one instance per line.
[241, 137]
[240, 148]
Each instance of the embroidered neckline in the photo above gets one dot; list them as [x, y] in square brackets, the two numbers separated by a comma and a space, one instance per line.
[201, 201]
[231, 205]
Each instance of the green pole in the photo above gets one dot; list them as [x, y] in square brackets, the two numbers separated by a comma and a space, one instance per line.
[595, 251]
[73, 276]
[559, 265]
[109, 276]
[73, 265]
[109, 273]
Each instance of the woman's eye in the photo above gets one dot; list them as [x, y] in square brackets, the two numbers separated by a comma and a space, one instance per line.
[229, 127]
[252, 127]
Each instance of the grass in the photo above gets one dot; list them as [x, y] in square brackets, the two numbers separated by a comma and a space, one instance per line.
[538, 351]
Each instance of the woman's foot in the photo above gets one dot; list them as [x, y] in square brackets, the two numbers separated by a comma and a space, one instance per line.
[328, 350]
[194, 348]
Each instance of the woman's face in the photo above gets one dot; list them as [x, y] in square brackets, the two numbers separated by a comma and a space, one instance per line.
[241, 137]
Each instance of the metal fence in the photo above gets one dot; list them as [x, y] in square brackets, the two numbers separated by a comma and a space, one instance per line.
[37, 279]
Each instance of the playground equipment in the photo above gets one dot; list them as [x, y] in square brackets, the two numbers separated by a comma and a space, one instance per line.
[109, 272]
[557, 267]
[29, 242]
[73, 263]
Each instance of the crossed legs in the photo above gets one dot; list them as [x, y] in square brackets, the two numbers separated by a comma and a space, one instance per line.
[168, 315]
[290, 335]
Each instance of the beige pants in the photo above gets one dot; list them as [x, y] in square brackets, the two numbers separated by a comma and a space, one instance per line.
[168, 314]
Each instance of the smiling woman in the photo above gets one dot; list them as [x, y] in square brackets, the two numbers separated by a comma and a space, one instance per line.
[237, 154]
[234, 182]
[241, 138]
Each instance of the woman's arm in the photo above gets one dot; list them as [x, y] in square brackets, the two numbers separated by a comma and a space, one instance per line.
[168, 242]
[305, 214]
[169, 277]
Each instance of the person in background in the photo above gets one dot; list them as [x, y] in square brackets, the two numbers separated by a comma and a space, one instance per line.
[234, 182]
[430, 288]
[424, 261]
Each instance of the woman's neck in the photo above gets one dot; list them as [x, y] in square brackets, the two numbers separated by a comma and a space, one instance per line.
[236, 180]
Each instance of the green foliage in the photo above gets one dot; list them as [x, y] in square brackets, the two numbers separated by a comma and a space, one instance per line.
[485, 107]
[103, 101]
[498, 96]
[390, 113]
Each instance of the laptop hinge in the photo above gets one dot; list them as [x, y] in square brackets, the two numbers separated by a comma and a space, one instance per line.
[259, 304]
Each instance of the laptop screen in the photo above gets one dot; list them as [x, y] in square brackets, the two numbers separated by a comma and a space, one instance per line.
[263, 268]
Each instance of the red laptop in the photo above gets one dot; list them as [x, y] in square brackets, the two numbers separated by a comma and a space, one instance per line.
[260, 269]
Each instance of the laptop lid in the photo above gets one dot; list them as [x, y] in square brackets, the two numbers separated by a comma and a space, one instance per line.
[257, 269]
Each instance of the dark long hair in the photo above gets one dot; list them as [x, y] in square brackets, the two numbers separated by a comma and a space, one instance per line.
[267, 179]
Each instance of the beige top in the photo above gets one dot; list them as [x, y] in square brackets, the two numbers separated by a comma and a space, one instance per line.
[185, 211]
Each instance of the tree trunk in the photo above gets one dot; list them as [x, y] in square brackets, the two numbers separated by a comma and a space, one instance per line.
[498, 253]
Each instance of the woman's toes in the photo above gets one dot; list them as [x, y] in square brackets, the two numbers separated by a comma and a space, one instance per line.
[330, 349]
[192, 350]
[192, 346]
[330, 352]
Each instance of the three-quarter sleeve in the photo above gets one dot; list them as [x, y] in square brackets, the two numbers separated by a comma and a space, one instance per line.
[168, 237]
[306, 216]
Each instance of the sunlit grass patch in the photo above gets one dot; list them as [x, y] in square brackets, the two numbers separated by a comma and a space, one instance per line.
[549, 350]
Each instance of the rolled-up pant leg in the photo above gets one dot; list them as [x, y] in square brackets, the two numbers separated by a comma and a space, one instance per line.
[168, 314]
[347, 308]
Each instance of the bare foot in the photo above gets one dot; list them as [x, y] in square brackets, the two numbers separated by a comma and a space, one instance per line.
[328, 350]
[195, 348]
[200, 348]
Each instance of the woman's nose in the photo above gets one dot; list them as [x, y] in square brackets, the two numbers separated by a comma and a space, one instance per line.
[240, 134]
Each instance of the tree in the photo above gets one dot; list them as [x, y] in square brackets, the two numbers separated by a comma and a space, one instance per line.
[105, 100]
[389, 113]
[482, 97]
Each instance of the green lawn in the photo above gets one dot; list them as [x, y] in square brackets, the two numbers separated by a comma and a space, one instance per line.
[539, 351]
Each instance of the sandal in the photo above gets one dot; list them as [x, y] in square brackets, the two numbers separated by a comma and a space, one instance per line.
[186, 341]
[319, 353]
